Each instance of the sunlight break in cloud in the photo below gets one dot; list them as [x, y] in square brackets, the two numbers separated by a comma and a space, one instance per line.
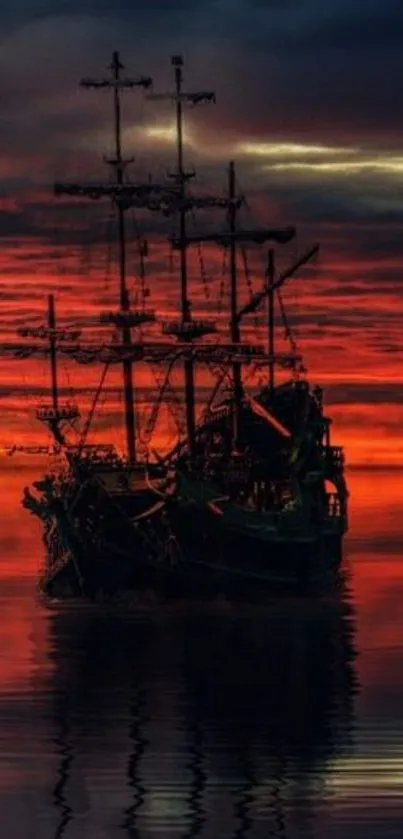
[281, 157]
[166, 133]
[290, 149]
[388, 165]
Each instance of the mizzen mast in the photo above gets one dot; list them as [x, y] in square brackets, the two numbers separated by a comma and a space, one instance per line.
[231, 238]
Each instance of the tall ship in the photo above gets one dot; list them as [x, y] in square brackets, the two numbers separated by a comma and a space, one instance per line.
[253, 492]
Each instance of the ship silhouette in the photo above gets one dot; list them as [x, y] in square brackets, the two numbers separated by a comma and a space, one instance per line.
[253, 493]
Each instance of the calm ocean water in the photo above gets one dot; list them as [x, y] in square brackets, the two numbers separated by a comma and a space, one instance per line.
[219, 720]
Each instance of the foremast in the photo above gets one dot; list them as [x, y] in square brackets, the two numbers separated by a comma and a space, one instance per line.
[122, 195]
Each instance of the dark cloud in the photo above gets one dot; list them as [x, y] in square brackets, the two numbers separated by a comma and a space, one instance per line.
[309, 68]
[277, 73]
[18, 223]
[355, 27]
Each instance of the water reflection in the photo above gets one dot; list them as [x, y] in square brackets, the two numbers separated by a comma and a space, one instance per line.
[198, 774]
[223, 719]
[138, 706]
[65, 753]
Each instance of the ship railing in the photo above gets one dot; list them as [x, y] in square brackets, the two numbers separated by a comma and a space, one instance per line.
[333, 505]
[131, 318]
[66, 412]
[187, 330]
[334, 457]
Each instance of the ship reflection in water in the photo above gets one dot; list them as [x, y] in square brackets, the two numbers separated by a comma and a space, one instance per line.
[212, 720]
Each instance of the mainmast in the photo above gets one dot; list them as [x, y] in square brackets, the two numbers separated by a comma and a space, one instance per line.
[234, 323]
[119, 164]
[177, 63]
[187, 329]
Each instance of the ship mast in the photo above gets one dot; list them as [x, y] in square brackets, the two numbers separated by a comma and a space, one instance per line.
[177, 63]
[55, 413]
[271, 287]
[119, 163]
[234, 323]
[117, 83]
[124, 195]
[270, 318]
[187, 329]
[230, 239]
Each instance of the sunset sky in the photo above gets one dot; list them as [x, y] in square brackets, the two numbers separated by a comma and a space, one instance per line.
[309, 97]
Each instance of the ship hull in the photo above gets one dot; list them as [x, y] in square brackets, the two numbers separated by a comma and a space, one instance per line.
[232, 547]
[82, 562]
[186, 542]
[232, 556]
[102, 537]
[203, 559]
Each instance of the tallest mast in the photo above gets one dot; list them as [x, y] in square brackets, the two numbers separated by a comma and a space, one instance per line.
[123, 293]
[187, 329]
[235, 331]
[177, 63]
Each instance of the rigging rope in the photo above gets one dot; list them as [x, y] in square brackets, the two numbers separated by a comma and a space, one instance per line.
[223, 285]
[86, 251]
[146, 436]
[249, 282]
[142, 253]
[174, 404]
[109, 251]
[244, 255]
[203, 272]
[288, 334]
[221, 374]
[90, 417]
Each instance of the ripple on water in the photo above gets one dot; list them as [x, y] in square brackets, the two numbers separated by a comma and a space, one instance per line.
[213, 720]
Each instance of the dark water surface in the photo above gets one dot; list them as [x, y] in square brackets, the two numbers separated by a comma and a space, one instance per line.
[223, 720]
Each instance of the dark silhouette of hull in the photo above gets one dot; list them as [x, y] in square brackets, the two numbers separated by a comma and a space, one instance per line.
[194, 567]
